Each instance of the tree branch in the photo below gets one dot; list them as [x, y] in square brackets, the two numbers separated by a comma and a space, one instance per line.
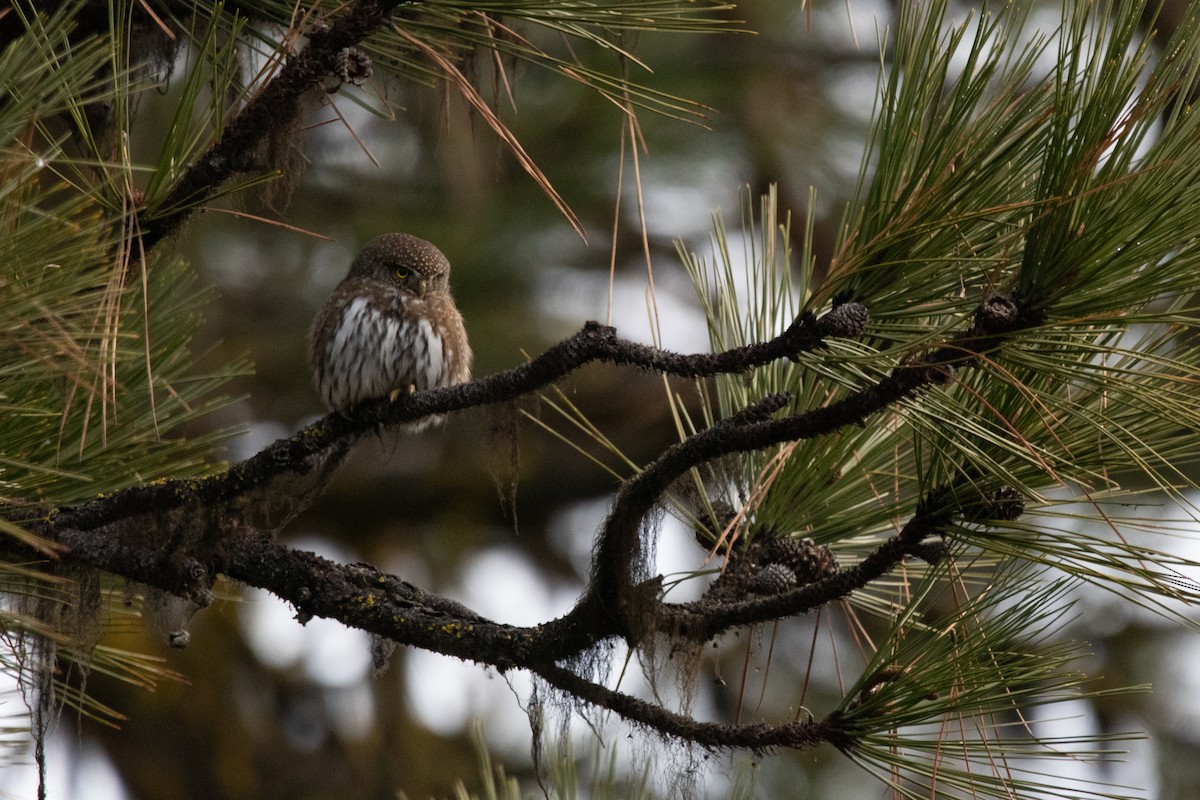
[712, 735]
[360, 596]
[276, 105]
[613, 582]
[126, 532]
[702, 619]
[295, 454]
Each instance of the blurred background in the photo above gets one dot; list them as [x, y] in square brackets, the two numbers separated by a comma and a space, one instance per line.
[268, 708]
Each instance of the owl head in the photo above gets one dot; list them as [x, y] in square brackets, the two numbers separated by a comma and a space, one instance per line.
[414, 265]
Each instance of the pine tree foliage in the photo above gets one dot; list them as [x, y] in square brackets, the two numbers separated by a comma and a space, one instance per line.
[1007, 318]
[458, 48]
[98, 383]
[1058, 206]
[99, 388]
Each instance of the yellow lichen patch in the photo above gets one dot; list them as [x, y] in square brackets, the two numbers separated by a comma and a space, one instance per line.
[456, 630]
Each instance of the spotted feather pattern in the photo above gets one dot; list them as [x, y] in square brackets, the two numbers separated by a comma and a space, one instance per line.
[380, 333]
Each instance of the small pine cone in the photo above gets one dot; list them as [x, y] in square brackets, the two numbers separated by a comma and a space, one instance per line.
[819, 560]
[997, 313]
[773, 579]
[777, 548]
[1005, 503]
[846, 320]
[809, 560]
[940, 374]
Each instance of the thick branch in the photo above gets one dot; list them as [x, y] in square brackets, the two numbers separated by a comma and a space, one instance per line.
[109, 532]
[612, 586]
[294, 454]
[357, 595]
[361, 596]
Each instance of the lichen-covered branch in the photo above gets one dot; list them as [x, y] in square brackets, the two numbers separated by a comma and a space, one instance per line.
[276, 105]
[178, 536]
[361, 596]
[703, 619]
[295, 454]
[712, 735]
[612, 586]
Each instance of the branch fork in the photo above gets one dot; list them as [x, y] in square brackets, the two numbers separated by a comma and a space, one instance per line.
[102, 533]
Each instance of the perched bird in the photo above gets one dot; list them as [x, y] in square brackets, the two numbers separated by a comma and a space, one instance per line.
[391, 326]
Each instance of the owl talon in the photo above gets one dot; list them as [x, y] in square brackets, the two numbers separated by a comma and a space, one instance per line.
[395, 394]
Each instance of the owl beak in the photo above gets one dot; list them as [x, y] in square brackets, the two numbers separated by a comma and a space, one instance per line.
[421, 285]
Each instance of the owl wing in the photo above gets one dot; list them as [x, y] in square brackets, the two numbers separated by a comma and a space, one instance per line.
[448, 329]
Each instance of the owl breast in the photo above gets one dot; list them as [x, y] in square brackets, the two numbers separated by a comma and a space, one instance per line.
[374, 351]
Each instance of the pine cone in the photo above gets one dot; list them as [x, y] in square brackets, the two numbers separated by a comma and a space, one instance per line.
[809, 560]
[845, 320]
[353, 66]
[997, 313]
[773, 579]
[1005, 503]
[1002, 503]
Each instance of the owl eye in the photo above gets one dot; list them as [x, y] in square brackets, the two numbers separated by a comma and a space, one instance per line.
[402, 273]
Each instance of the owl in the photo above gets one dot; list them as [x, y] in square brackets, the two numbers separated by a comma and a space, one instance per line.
[391, 326]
